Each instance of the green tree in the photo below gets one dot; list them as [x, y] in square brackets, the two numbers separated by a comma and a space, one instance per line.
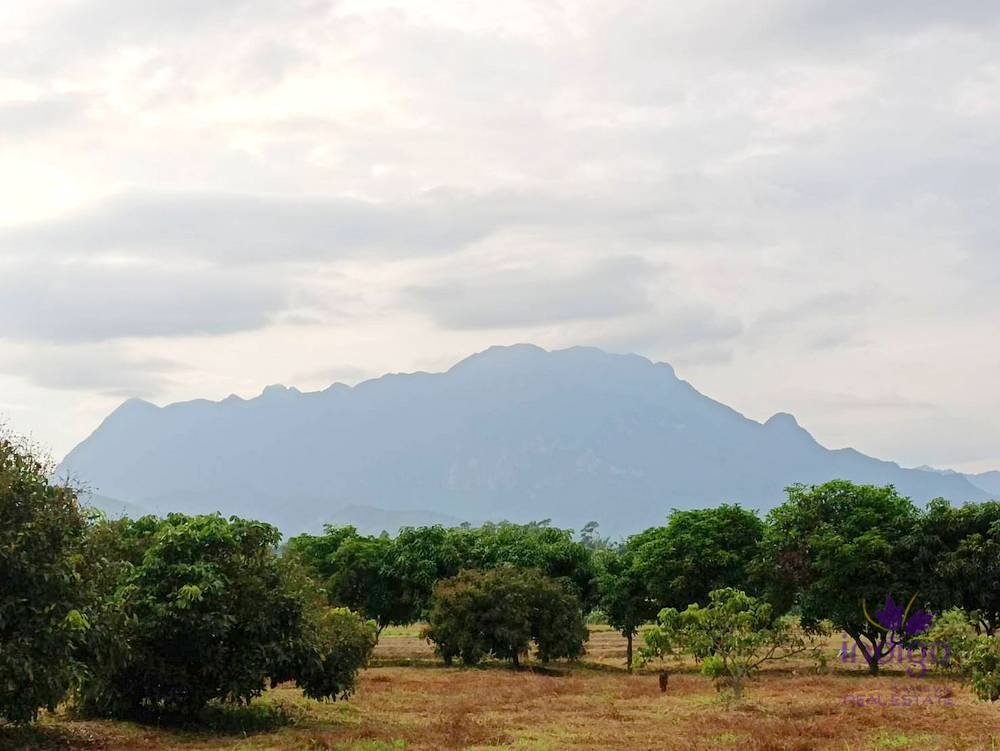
[317, 552]
[41, 598]
[536, 545]
[960, 547]
[364, 580]
[623, 594]
[211, 612]
[698, 551]
[500, 612]
[984, 667]
[837, 549]
[733, 636]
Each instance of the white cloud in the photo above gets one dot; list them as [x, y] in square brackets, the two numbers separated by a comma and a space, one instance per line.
[773, 195]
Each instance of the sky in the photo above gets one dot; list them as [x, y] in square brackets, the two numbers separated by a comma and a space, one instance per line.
[794, 202]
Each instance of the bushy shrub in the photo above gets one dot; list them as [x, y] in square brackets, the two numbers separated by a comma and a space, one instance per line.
[733, 636]
[196, 608]
[500, 612]
[40, 594]
[983, 661]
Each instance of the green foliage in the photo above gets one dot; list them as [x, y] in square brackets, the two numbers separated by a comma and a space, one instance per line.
[960, 548]
[363, 579]
[953, 629]
[550, 550]
[697, 552]
[623, 593]
[500, 612]
[201, 608]
[391, 580]
[984, 666]
[831, 548]
[733, 636]
[40, 594]
[332, 649]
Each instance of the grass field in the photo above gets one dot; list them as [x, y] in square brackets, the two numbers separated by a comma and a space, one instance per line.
[409, 700]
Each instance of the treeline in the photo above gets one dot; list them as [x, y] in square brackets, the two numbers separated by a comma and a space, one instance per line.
[829, 554]
[157, 617]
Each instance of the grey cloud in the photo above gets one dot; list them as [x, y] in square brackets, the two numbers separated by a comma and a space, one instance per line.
[241, 229]
[244, 228]
[77, 302]
[102, 368]
[508, 299]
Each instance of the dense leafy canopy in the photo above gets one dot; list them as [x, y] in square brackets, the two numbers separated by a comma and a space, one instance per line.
[40, 591]
[209, 611]
[500, 612]
[697, 552]
[836, 548]
[624, 593]
[960, 550]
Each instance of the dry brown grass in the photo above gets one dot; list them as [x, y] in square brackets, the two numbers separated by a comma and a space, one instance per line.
[595, 705]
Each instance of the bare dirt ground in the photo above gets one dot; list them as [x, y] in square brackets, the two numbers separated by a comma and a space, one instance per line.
[409, 700]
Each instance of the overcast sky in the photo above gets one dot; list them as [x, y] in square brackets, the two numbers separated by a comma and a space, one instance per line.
[794, 202]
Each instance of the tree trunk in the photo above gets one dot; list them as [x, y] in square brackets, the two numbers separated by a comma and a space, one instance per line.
[517, 661]
[737, 686]
[628, 652]
[873, 663]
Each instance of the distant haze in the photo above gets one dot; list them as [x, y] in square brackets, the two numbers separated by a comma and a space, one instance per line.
[514, 433]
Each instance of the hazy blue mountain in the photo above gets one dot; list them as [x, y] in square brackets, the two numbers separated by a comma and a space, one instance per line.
[513, 432]
[988, 481]
[112, 507]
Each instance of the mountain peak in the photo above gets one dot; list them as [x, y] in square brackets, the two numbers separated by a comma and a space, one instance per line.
[782, 420]
[278, 390]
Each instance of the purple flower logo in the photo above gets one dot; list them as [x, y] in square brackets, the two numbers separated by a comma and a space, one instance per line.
[895, 619]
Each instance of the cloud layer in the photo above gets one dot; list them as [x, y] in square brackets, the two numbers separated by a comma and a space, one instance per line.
[793, 202]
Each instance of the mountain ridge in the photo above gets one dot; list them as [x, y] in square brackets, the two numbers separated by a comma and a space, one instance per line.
[513, 432]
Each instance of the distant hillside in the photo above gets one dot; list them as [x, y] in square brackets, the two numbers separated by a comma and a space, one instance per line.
[988, 481]
[513, 432]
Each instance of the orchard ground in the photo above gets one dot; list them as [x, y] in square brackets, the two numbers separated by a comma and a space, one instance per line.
[408, 699]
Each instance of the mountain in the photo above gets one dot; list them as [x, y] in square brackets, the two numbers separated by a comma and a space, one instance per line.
[988, 482]
[513, 432]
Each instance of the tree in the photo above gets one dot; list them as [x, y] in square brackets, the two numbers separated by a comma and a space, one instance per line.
[317, 552]
[961, 549]
[536, 545]
[211, 612]
[733, 636]
[40, 595]
[698, 551]
[623, 594]
[836, 549]
[364, 580]
[984, 668]
[500, 612]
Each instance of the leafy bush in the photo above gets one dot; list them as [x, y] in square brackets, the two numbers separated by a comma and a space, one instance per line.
[195, 608]
[40, 594]
[733, 636]
[984, 667]
[500, 612]
[954, 629]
